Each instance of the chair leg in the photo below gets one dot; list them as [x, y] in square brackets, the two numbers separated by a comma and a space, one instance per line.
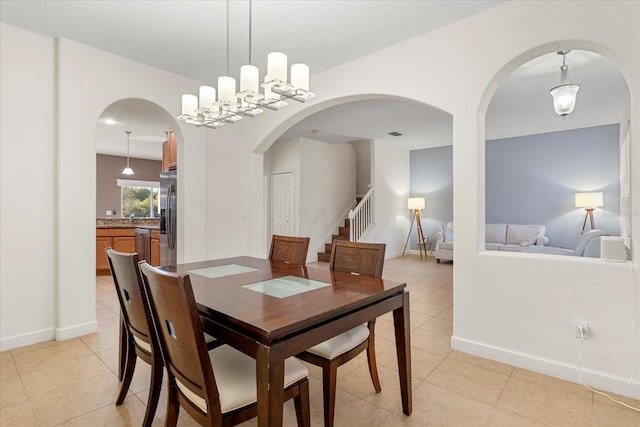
[173, 407]
[154, 392]
[123, 349]
[371, 357]
[129, 367]
[329, 376]
[301, 402]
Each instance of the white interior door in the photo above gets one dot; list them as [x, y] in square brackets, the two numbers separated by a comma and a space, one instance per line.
[283, 207]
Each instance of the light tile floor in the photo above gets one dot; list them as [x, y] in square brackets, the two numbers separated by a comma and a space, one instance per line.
[73, 383]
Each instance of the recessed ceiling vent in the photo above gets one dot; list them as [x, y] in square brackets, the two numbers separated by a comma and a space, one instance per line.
[394, 133]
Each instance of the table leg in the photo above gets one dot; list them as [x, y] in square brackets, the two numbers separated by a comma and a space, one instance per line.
[403, 350]
[270, 383]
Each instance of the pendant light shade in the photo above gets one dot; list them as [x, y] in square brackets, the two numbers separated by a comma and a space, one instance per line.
[127, 170]
[564, 95]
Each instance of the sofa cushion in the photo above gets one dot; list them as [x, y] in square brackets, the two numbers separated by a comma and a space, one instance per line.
[490, 246]
[446, 245]
[495, 233]
[524, 235]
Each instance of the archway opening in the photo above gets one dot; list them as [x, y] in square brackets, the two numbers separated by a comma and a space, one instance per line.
[537, 163]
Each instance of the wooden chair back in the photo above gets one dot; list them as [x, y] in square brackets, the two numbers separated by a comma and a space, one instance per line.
[182, 342]
[289, 249]
[366, 259]
[133, 300]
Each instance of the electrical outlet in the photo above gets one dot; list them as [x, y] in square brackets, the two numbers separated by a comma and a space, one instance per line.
[585, 329]
[109, 213]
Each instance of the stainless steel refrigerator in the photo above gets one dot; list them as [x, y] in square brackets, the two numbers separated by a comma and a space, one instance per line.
[168, 217]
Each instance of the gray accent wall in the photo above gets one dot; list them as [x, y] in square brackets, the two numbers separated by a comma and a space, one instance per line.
[431, 176]
[531, 180]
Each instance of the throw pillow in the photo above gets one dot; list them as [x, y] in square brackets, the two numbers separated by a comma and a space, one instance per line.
[448, 235]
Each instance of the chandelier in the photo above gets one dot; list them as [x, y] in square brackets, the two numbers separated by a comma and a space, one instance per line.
[230, 105]
[564, 95]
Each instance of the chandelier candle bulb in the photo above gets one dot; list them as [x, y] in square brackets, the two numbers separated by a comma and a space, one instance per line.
[189, 105]
[226, 89]
[300, 76]
[249, 78]
[207, 97]
[277, 66]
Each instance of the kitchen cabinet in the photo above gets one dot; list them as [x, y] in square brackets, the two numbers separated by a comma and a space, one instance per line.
[155, 248]
[119, 239]
[169, 153]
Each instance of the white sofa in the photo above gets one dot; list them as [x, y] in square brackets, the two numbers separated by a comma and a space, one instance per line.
[587, 245]
[514, 237]
[498, 237]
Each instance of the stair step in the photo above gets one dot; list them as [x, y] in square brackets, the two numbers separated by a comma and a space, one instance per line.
[339, 237]
[328, 247]
[344, 231]
[324, 257]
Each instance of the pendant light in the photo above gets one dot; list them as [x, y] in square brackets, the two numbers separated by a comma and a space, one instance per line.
[564, 95]
[127, 170]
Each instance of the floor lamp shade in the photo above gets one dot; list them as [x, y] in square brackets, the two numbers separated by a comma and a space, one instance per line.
[414, 203]
[589, 200]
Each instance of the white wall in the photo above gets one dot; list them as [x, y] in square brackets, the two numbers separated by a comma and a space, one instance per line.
[497, 297]
[27, 188]
[327, 190]
[363, 165]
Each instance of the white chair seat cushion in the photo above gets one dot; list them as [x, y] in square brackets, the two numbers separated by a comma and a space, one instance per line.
[235, 374]
[344, 342]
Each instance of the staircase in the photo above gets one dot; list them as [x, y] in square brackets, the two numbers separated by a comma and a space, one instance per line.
[343, 234]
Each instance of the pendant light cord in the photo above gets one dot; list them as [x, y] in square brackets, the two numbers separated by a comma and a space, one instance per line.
[250, 25]
[227, 37]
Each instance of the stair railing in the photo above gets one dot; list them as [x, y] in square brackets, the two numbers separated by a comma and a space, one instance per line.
[361, 217]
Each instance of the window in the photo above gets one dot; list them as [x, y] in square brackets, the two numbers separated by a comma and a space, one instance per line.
[139, 199]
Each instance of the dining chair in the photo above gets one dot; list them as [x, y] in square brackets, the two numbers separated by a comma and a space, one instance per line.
[289, 249]
[138, 335]
[365, 259]
[217, 387]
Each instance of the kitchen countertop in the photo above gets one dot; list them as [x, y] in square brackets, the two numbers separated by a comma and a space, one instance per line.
[148, 223]
[148, 227]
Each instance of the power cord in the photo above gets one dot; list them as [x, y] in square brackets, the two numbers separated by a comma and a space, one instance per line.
[581, 329]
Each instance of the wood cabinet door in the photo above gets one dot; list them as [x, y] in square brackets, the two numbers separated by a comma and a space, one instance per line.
[155, 252]
[124, 244]
[102, 265]
[169, 153]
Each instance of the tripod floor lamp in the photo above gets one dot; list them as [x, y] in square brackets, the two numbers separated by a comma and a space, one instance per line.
[416, 204]
[589, 201]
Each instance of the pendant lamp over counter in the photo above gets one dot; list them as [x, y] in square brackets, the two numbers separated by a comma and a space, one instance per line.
[127, 170]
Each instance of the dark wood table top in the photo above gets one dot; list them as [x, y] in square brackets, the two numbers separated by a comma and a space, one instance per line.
[268, 319]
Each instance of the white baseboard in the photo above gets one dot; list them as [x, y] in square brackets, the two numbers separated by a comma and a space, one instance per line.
[22, 340]
[76, 330]
[48, 334]
[568, 372]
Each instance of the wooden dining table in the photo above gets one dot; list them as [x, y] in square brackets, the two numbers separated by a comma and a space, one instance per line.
[271, 310]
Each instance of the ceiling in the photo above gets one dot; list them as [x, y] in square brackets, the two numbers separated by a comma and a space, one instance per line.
[189, 38]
